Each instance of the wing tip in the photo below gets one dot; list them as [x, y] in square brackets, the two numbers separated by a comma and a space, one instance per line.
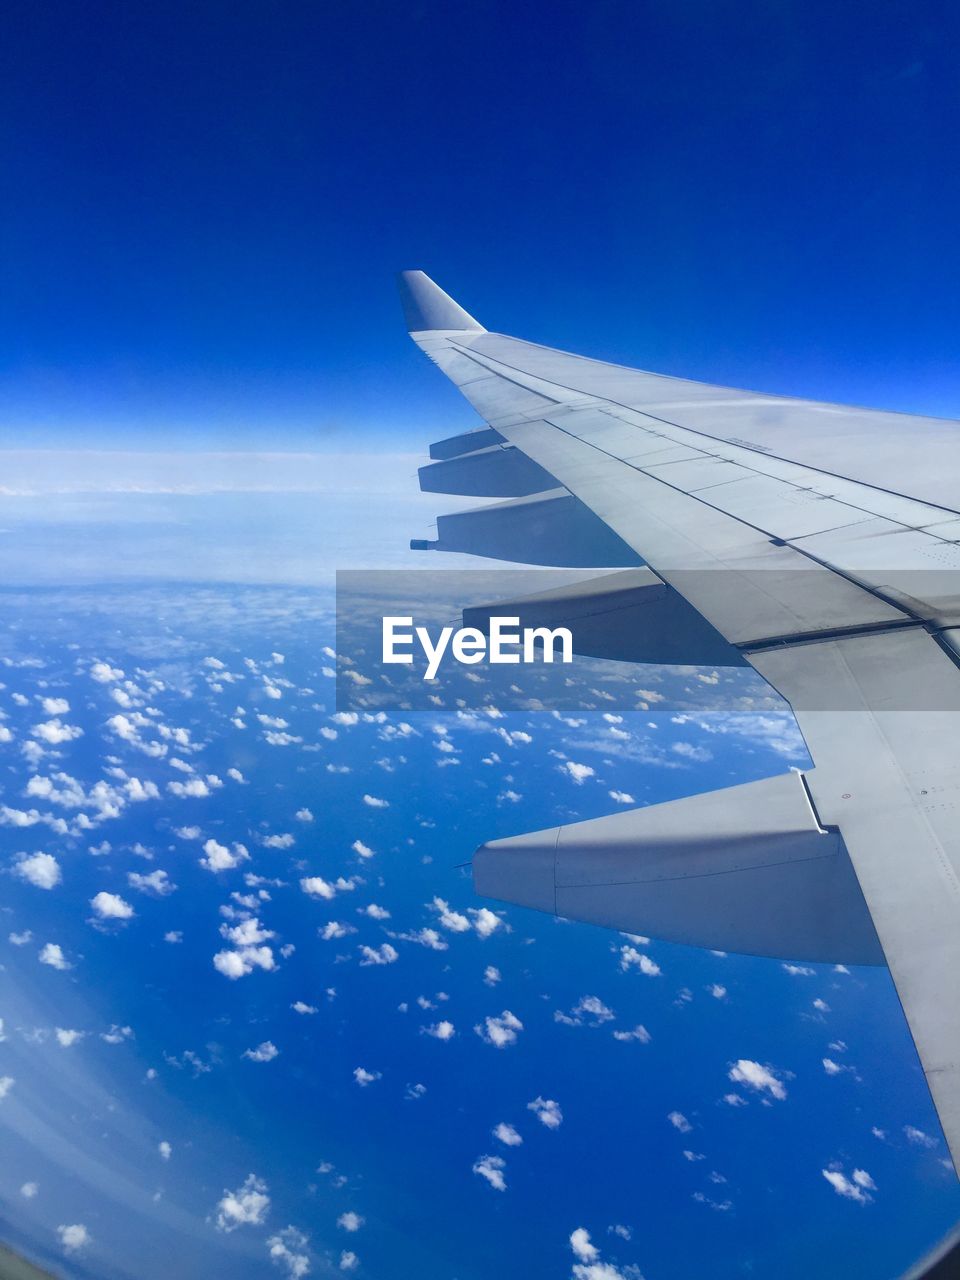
[427, 307]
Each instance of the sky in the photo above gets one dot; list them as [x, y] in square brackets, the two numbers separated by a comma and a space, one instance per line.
[290, 1039]
[206, 205]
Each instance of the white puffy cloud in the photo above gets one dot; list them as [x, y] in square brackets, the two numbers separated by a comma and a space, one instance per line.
[385, 954]
[317, 887]
[288, 1248]
[547, 1112]
[350, 1221]
[440, 1030]
[67, 1037]
[639, 1033]
[582, 1247]
[374, 802]
[247, 1206]
[52, 955]
[500, 1031]
[631, 958]
[103, 673]
[265, 1052]
[237, 964]
[219, 858]
[362, 849]
[680, 1121]
[110, 906]
[157, 882]
[6, 1084]
[578, 772]
[507, 1134]
[491, 1168]
[335, 929]
[54, 732]
[165, 1150]
[588, 1009]
[757, 1077]
[117, 1034]
[73, 1237]
[856, 1187]
[364, 1077]
[39, 869]
[284, 841]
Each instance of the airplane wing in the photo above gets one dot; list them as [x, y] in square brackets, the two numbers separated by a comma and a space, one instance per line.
[820, 545]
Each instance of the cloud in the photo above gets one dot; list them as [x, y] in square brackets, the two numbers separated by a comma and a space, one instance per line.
[917, 1137]
[589, 1009]
[247, 1206]
[483, 921]
[375, 803]
[288, 1248]
[364, 1077]
[317, 887]
[578, 772]
[547, 1112]
[855, 1187]
[491, 1168]
[500, 1031]
[110, 906]
[237, 964]
[39, 869]
[66, 1038]
[335, 929]
[621, 797]
[581, 1246]
[165, 1150]
[156, 883]
[385, 954]
[54, 732]
[219, 858]
[639, 1033]
[265, 1052]
[52, 954]
[73, 1237]
[680, 1121]
[350, 1221]
[757, 1077]
[6, 1084]
[103, 673]
[631, 958]
[507, 1134]
[440, 1031]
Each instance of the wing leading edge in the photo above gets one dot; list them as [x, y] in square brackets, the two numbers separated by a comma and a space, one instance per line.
[807, 541]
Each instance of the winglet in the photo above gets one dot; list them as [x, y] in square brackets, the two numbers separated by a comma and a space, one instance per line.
[426, 306]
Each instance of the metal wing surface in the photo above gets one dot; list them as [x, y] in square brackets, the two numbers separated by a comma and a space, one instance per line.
[820, 544]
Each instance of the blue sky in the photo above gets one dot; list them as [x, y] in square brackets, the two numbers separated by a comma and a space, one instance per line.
[207, 205]
[209, 405]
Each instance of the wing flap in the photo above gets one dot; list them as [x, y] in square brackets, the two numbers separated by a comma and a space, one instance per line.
[745, 869]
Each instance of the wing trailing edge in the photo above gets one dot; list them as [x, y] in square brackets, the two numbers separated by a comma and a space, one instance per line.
[631, 616]
[745, 869]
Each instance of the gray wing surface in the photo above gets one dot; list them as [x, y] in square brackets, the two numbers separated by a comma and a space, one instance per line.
[819, 544]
